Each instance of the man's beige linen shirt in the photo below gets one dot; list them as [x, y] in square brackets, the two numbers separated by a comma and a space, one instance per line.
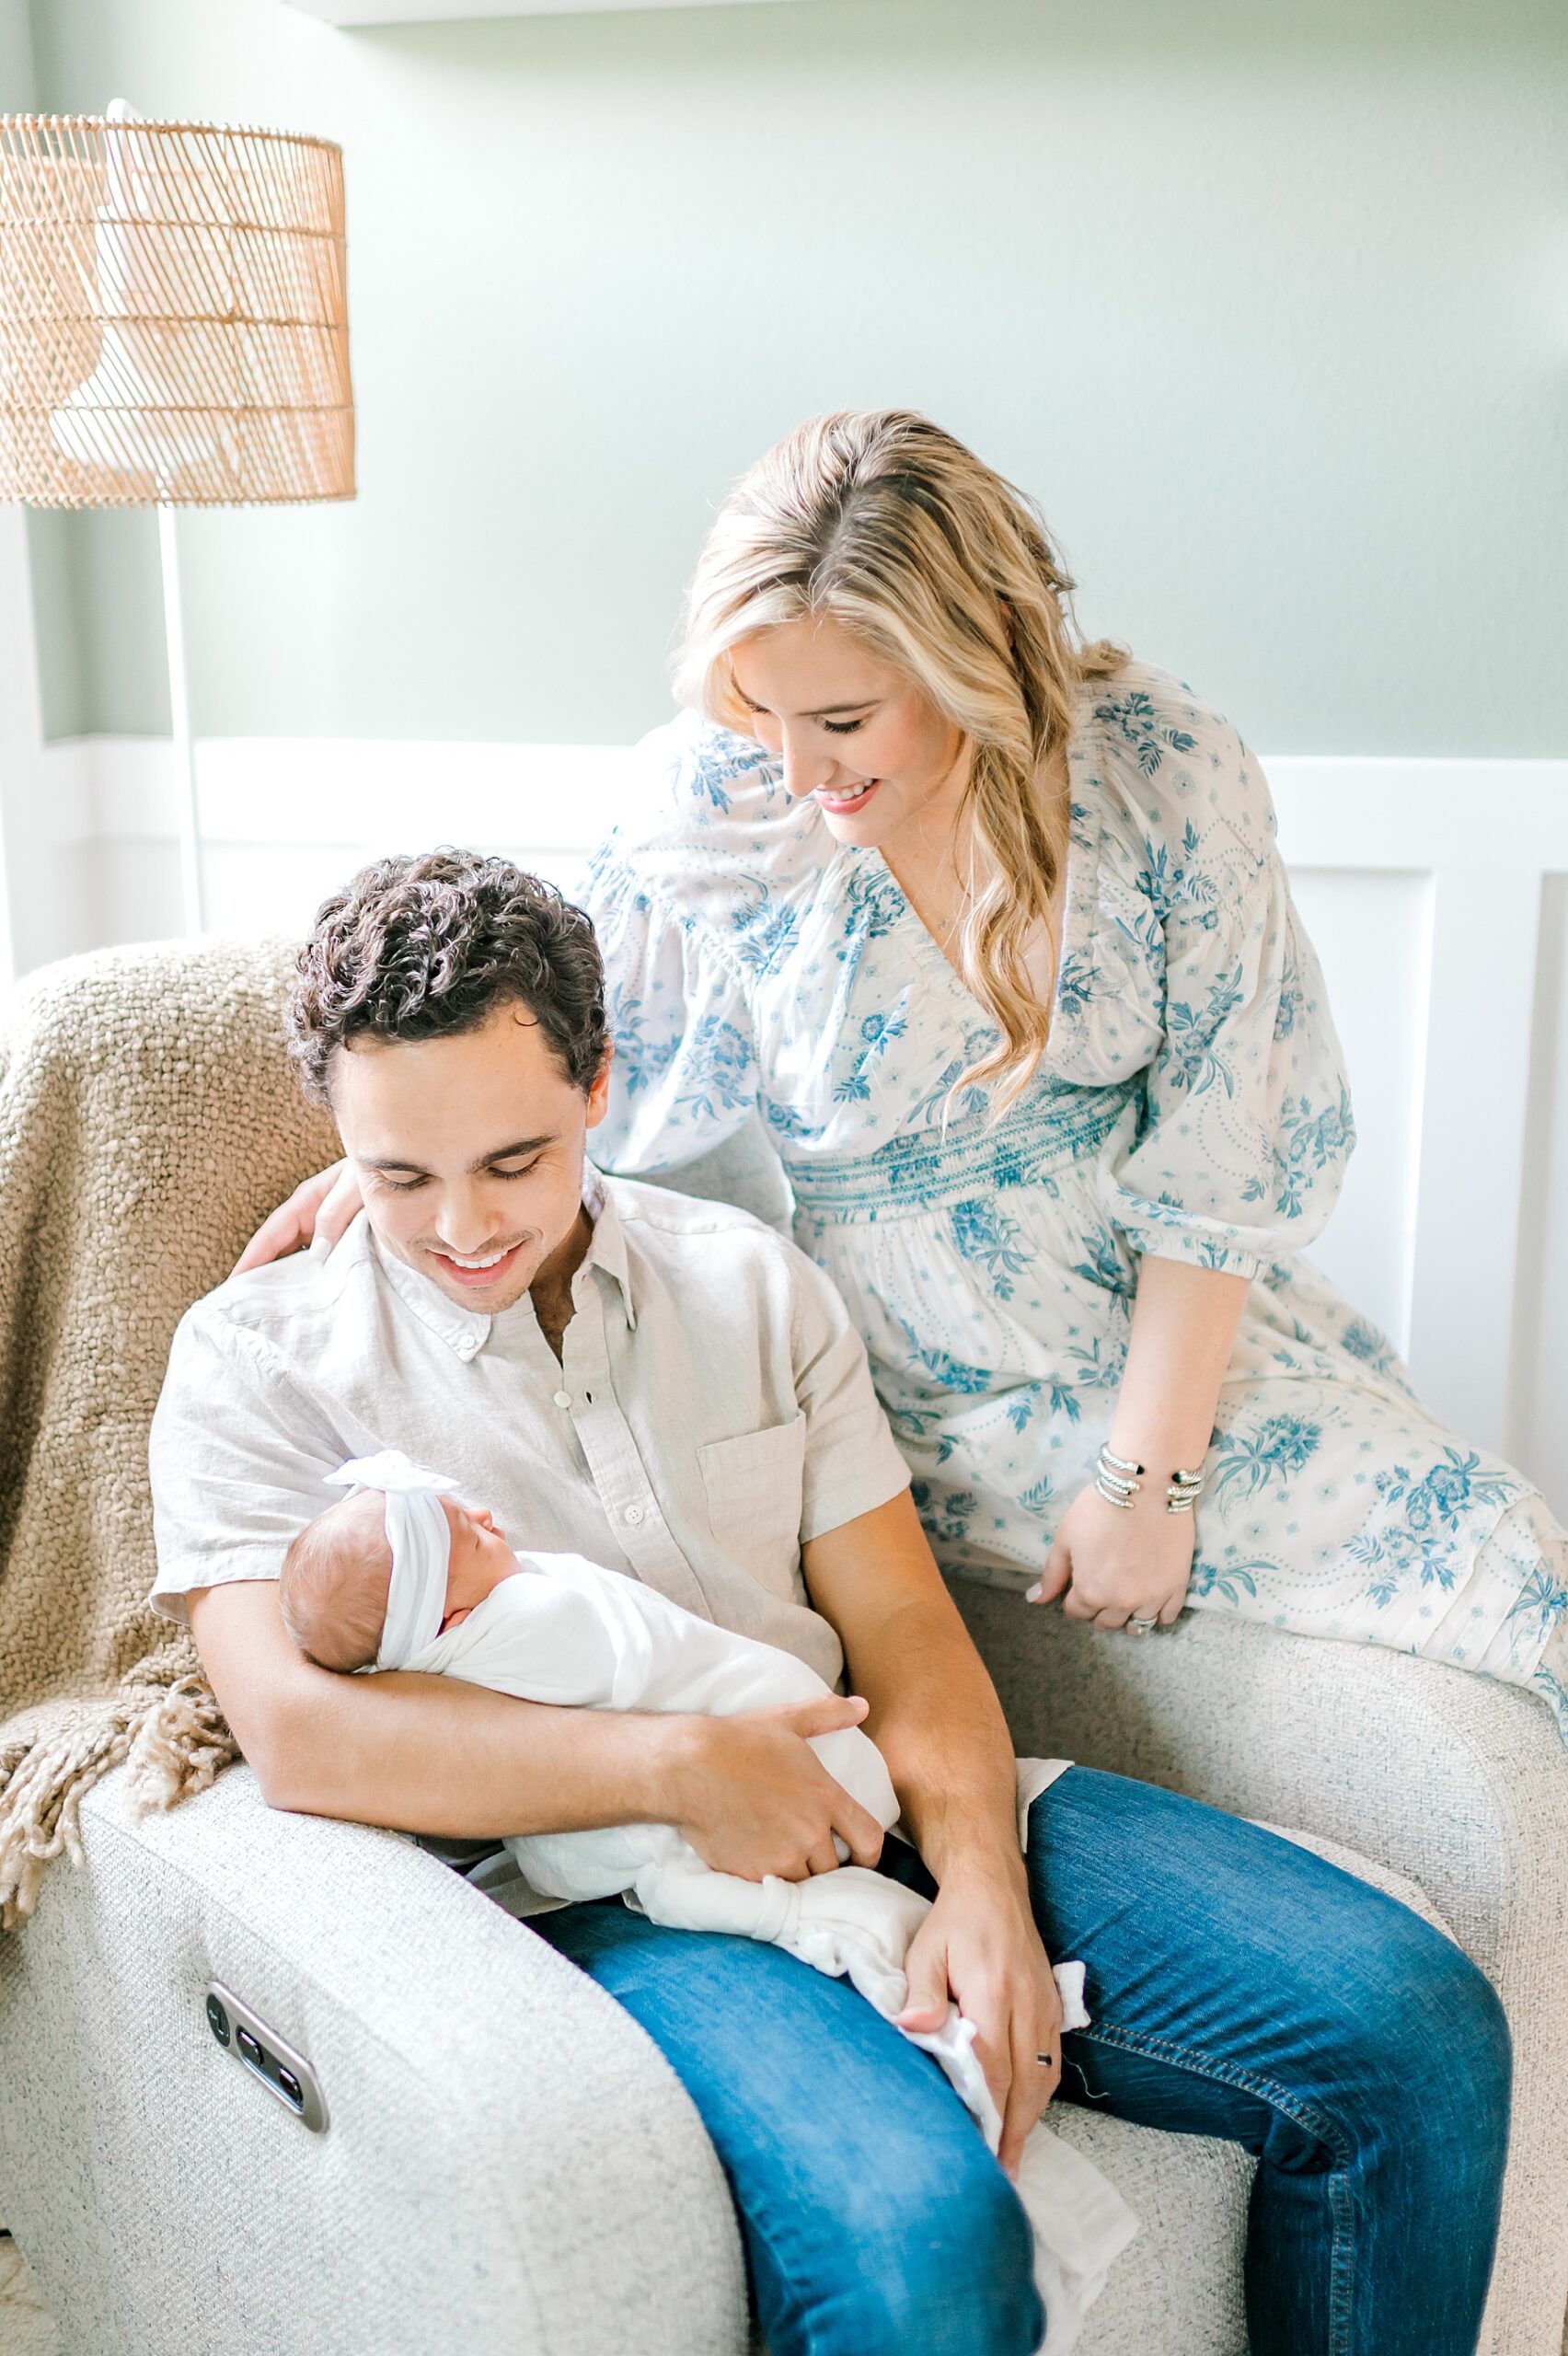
[712, 1413]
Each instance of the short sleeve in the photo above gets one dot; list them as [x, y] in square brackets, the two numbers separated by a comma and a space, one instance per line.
[852, 1462]
[1246, 1128]
[239, 1461]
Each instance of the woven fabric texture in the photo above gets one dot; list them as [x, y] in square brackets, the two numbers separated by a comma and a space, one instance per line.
[148, 1120]
[511, 2166]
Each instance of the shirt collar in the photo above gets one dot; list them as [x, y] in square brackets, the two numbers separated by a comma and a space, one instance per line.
[465, 1331]
[606, 1247]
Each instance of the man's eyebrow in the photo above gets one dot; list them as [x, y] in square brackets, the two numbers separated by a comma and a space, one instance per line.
[511, 1153]
[485, 1162]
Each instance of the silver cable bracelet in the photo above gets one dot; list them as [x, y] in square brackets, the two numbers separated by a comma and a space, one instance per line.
[1117, 1479]
[1184, 1490]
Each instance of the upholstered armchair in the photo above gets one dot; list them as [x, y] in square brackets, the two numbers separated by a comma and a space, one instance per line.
[509, 2166]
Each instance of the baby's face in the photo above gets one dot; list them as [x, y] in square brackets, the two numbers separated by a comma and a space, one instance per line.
[480, 1558]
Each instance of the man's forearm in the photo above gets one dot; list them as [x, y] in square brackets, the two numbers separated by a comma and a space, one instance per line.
[431, 1754]
[936, 1718]
[426, 1754]
[934, 1712]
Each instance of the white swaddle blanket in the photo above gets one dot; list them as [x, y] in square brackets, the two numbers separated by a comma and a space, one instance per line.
[565, 1632]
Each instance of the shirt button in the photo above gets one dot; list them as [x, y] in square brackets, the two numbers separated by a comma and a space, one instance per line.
[563, 1398]
[633, 1514]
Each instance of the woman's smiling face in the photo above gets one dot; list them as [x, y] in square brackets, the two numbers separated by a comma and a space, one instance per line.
[858, 737]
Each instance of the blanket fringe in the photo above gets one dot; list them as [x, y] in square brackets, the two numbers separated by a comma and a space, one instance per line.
[177, 1742]
[181, 1747]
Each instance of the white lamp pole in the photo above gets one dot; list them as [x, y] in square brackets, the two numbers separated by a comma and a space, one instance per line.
[190, 816]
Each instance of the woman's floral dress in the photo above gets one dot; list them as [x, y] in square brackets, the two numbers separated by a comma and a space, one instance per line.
[1192, 1105]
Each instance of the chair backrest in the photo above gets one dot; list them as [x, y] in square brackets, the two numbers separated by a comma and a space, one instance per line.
[148, 1120]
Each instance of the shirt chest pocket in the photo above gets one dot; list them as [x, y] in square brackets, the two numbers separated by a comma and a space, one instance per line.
[754, 1485]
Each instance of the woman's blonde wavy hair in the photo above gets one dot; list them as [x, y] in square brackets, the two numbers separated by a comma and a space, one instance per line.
[879, 521]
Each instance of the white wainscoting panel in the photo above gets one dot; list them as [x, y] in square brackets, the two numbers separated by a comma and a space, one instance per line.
[1372, 930]
[1537, 1404]
[1436, 892]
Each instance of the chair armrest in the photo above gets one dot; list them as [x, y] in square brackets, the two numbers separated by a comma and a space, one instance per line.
[510, 2166]
[1454, 1780]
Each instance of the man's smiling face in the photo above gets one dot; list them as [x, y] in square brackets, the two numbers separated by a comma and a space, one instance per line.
[469, 1150]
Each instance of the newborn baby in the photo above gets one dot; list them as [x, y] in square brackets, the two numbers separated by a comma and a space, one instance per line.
[401, 1574]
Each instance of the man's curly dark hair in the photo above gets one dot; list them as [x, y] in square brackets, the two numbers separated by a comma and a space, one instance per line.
[425, 948]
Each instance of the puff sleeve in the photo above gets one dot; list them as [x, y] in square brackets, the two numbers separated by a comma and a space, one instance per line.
[684, 1080]
[674, 900]
[1247, 1126]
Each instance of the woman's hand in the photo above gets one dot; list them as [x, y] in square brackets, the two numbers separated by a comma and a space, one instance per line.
[1108, 1564]
[978, 1948]
[322, 1210]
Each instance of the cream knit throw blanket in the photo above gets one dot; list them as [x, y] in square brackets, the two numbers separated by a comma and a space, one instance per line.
[148, 1121]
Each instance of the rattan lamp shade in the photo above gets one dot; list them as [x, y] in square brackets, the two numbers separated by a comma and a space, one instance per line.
[173, 315]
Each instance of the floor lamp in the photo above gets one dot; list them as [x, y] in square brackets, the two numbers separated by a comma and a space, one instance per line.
[173, 333]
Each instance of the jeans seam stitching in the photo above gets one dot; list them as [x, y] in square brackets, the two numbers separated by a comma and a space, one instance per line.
[1342, 2254]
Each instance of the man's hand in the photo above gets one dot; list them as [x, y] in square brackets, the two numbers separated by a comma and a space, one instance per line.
[979, 1949]
[752, 1797]
[1113, 1563]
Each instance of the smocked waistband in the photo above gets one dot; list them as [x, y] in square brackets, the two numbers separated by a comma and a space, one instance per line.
[927, 1168]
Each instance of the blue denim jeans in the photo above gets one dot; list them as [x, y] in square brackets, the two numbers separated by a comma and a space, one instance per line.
[1237, 1986]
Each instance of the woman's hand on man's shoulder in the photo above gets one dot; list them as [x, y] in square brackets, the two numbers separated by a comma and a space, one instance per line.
[319, 1211]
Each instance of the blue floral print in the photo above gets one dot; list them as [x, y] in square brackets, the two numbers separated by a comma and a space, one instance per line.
[988, 1237]
[1442, 1497]
[715, 1068]
[1192, 1104]
[1147, 728]
[1197, 1060]
[946, 1514]
[1177, 880]
[639, 1059]
[718, 767]
[878, 1032]
[1075, 983]
[871, 904]
[764, 932]
[1246, 1463]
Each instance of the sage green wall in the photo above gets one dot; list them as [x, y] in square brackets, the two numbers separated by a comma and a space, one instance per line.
[1268, 304]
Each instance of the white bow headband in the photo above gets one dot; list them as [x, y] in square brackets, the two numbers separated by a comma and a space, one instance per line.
[420, 1539]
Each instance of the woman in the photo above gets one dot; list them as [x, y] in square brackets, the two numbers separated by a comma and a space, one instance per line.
[991, 928]
[987, 927]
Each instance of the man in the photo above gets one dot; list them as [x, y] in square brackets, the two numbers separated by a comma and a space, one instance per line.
[671, 1389]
